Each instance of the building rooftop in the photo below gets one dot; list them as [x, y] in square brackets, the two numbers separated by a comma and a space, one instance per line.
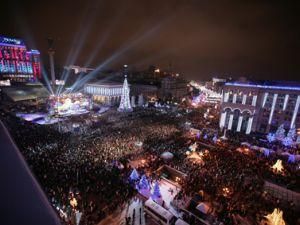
[284, 85]
[23, 93]
[106, 84]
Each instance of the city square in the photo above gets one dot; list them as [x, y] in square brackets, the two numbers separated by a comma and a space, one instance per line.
[91, 139]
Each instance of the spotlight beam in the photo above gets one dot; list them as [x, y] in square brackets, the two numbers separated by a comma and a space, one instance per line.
[79, 39]
[118, 54]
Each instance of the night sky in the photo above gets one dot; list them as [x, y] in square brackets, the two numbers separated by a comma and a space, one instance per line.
[200, 39]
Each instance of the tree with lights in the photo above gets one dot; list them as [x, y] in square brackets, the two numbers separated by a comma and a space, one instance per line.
[134, 175]
[156, 192]
[280, 133]
[125, 100]
[287, 141]
[144, 184]
[271, 137]
[215, 139]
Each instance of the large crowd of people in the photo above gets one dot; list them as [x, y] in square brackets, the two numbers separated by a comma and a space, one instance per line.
[89, 172]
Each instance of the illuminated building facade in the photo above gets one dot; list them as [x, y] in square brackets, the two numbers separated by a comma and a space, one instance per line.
[259, 107]
[17, 63]
[104, 93]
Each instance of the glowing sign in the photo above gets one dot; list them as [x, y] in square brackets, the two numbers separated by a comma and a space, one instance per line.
[11, 41]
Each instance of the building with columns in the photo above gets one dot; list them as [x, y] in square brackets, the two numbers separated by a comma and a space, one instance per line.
[104, 93]
[259, 106]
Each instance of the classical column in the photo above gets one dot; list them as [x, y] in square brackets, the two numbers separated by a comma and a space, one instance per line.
[226, 96]
[249, 125]
[286, 98]
[272, 108]
[222, 119]
[295, 111]
[265, 99]
[244, 99]
[254, 99]
[230, 121]
[239, 126]
[234, 98]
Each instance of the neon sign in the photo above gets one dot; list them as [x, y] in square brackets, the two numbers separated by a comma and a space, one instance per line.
[11, 41]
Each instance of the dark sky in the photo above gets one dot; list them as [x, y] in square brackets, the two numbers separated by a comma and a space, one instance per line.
[258, 38]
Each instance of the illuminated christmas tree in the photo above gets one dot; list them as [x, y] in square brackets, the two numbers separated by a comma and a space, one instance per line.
[144, 184]
[280, 133]
[156, 192]
[125, 100]
[287, 141]
[215, 139]
[134, 175]
[271, 137]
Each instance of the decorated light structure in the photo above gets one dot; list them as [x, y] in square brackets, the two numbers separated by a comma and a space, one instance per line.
[278, 167]
[275, 218]
[156, 195]
[144, 184]
[125, 105]
[280, 133]
[271, 137]
[134, 175]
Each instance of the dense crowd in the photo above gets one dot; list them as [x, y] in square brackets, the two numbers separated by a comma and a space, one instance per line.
[90, 168]
[93, 167]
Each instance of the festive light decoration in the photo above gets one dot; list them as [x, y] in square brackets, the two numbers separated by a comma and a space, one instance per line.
[226, 191]
[271, 137]
[215, 139]
[193, 147]
[278, 167]
[201, 98]
[292, 133]
[280, 133]
[287, 141]
[134, 175]
[144, 184]
[73, 202]
[275, 218]
[195, 157]
[125, 100]
[291, 159]
[156, 192]
[16, 62]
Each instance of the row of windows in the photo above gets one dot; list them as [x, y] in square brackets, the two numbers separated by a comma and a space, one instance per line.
[103, 91]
